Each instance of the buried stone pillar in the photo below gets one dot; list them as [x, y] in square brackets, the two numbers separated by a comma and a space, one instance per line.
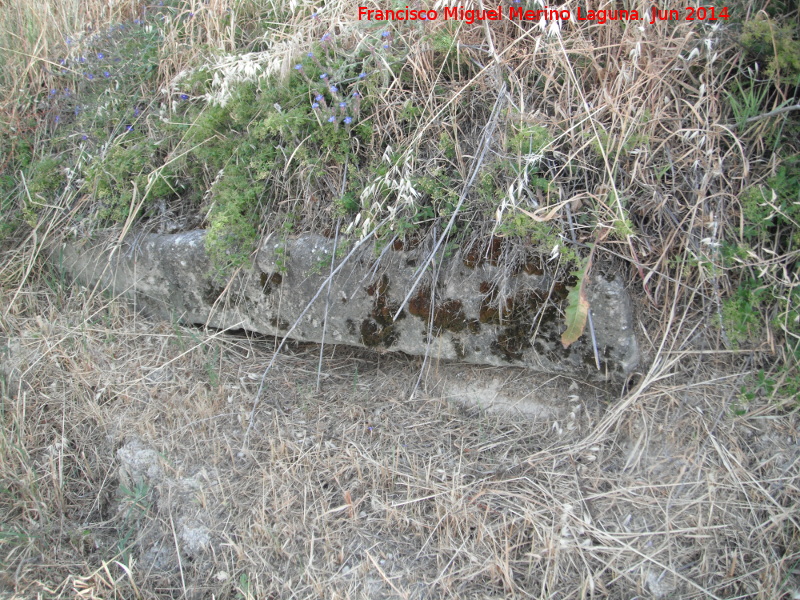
[474, 311]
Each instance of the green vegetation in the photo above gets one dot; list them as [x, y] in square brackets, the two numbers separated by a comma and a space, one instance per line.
[742, 320]
[130, 173]
[760, 254]
[45, 182]
[771, 212]
[769, 42]
[136, 503]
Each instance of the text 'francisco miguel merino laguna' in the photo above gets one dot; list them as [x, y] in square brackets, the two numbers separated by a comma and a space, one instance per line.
[513, 14]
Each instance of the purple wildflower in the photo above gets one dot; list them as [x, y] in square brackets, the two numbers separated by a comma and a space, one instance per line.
[184, 96]
[315, 105]
[129, 128]
[298, 67]
[333, 89]
[90, 76]
[342, 104]
[310, 55]
[362, 75]
[84, 137]
[58, 118]
[385, 34]
[318, 97]
[348, 120]
[106, 74]
[100, 56]
[53, 92]
[356, 94]
[331, 119]
[323, 76]
[82, 59]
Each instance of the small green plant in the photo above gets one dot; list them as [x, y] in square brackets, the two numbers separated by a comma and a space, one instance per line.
[347, 204]
[231, 233]
[605, 144]
[282, 259]
[773, 209]
[520, 225]
[747, 102]
[126, 174]
[323, 264]
[622, 228]
[44, 182]
[138, 505]
[211, 366]
[440, 190]
[13, 537]
[773, 44]
[761, 384]
[530, 139]
[447, 145]
[741, 313]
[243, 590]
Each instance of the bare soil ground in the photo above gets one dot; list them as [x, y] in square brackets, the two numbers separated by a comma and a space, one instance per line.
[128, 471]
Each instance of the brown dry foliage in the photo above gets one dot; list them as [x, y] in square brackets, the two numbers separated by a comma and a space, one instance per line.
[124, 473]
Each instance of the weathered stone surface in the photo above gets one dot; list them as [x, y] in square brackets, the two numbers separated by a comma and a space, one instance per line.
[475, 311]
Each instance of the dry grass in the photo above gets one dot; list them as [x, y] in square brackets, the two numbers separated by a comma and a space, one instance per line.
[123, 474]
[123, 465]
[31, 35]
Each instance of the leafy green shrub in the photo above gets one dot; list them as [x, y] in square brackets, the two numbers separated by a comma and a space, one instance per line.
[274, 138]
[773, 209]
[529, 139]
[231, 236]
[45, 180]
[347, 204]
[770, 43]
[742, 318]
[127, 167]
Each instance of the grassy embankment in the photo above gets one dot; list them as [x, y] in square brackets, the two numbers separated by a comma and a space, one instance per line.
[672, 148]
